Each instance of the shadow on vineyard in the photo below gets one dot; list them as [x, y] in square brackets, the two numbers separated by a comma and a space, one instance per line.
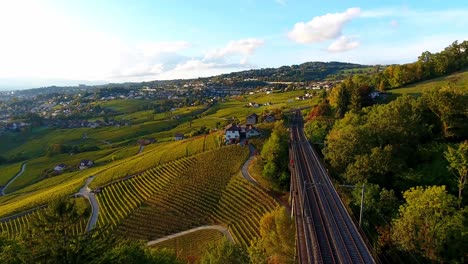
[201, 190]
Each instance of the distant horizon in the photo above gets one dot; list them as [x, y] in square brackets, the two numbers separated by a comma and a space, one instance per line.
[53, 42]
[76, 83]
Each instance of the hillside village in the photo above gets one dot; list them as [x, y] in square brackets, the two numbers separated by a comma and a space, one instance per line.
[81, 109]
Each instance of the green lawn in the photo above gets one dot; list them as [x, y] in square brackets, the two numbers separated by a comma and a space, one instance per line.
[8, 171]
[35, 168]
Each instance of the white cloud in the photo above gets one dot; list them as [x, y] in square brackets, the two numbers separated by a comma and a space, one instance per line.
[343, 43]
[322, 28]
[237, 47]
[35, 45]
[200, 68]
[394, 23]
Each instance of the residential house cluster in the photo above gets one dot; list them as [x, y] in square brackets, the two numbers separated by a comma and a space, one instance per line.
[234, 134]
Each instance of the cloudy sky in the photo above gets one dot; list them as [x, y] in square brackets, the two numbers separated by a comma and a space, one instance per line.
[70, 42]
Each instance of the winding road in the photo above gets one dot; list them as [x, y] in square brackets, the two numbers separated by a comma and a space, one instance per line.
[222, 229]
[23, 166]
[85, 191]
[245, 168]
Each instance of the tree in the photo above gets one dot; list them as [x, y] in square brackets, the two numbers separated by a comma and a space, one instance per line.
[428, 223]
[458, 164]
[449, 105]
[13, 252]
[339, 98]
[276, 242]
[275, 157]
[136, 252]
[53, 239]
[225, 252]
[317, 130]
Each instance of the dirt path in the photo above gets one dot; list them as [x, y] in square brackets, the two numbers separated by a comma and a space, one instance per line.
[222, 229]
[85, 191]
[23, 166]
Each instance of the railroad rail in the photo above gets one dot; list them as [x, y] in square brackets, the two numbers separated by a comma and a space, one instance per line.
[325, 232]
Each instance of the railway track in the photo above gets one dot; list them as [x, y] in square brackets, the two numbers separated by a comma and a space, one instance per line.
[325, 231]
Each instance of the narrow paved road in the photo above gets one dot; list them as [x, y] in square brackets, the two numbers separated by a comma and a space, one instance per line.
[23, 166]
[248, 177]
[85, 191]
[142, 147]
[222, 229]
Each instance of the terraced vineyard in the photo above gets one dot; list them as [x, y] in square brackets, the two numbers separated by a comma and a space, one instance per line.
[118, 200]
[163, 153]
[200, 191]
[20, 224]
[241, 207]
[192, 246]
[16, 226]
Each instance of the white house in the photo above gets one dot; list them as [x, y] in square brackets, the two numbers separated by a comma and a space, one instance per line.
[84, 164]
[60, 167]
[232, 133]
[178, 136]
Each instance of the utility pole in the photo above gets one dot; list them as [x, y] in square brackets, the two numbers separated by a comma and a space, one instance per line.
[362, 203]
[362, 198]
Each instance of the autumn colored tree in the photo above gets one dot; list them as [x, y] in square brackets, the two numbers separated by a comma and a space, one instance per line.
[225, 252]
[428, 223]
[276, 242]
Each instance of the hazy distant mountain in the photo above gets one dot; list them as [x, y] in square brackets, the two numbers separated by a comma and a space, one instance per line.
[8, 84]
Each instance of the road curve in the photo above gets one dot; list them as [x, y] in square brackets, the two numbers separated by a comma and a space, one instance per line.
[222, 229]
[85, 191]
[23, 166]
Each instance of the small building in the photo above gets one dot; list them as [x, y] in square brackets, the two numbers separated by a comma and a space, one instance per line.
[85, 164]
[60, 167]
[232, 134]
[146, 141]
[178, 136]
[268, 118]
[252, 119]
[252, 132]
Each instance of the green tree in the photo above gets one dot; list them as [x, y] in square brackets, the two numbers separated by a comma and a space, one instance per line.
[275, 157]
[458, 164]
[136, 252]
[449, 105]
[13, 252]
[340, 98]
[317, 130]
[276, 242]
[225, 252]
[428, 223]
[53, 238]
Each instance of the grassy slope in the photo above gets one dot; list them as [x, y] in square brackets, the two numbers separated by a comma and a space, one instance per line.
[459, 79]
[35, 168]
[8, 171]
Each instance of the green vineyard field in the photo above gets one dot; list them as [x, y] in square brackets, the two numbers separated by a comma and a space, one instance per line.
[191, 246]
[185, 194]
[18, 225]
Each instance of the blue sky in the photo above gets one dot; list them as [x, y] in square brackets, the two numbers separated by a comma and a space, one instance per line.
[70, 42]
